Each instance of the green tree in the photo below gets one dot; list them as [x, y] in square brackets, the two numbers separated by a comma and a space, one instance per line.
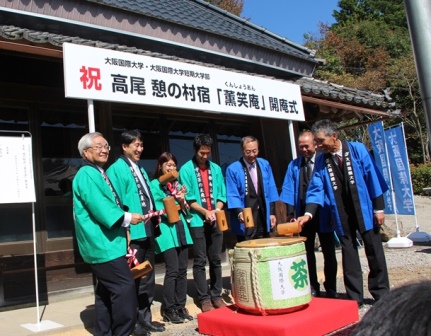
[389, 11]
[369, 48]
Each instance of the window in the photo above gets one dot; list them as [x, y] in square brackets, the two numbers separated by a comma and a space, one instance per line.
[229, 150]
[60, 133]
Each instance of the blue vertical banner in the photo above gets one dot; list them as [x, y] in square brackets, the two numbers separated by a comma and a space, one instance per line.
[378, 142]
[400, 169]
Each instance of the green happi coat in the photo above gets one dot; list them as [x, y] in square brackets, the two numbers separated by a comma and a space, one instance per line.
[187, 176]
[98, 218]
[169, 237]
[124, 183]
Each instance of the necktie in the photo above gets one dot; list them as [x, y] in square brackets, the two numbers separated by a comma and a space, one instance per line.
[340, 162]
[253, 175]
[309, 166]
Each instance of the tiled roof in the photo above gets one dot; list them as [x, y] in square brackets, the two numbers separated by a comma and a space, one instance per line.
[204, 16]
[343, 94]
[309, 86]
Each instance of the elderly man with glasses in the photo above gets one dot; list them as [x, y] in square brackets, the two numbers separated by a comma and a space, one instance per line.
[100, 223]
[250, 184]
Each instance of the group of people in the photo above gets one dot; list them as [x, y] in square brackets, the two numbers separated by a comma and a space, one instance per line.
[118, 212]
[340, 189]
[333, 186]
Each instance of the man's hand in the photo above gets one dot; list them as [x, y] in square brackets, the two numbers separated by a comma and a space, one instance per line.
[136, 218]
[273, 220]
[209, 216]
[180, 197]
[303, 219]
[379, 218]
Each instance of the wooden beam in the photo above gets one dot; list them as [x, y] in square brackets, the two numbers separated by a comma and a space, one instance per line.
[343, 106]
[30, 49]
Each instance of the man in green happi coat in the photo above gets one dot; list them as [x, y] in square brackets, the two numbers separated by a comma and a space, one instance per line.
[206, 194]
[132, 184]
[100, 224]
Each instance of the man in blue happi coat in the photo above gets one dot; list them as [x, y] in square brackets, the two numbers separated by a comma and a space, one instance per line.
[250, 184]
[298, 176]
[347, 175]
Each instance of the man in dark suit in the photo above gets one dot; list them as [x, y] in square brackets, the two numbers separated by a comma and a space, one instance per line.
[250, 184]
[298, 175]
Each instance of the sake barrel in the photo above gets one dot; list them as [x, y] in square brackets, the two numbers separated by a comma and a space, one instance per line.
[270, 276]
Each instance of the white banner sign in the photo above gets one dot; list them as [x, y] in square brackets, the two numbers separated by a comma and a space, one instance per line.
[16, 178]
[106, 75]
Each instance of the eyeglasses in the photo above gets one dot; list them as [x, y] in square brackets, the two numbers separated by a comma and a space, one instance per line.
[254, 151]
[98, 148]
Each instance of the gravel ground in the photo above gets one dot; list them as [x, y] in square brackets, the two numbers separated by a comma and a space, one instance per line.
[405, 265]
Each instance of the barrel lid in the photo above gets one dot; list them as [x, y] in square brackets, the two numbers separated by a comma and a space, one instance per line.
[276, 241]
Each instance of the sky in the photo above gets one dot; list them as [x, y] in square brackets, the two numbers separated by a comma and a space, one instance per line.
[290, 18]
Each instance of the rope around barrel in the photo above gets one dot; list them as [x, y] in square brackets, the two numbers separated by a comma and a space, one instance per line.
[255, 283]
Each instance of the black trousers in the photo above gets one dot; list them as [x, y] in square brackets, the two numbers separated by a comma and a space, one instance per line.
[378, 279]
[175, 282]
[207, 242]
[145, 287]
[115, 299]
[327, 244]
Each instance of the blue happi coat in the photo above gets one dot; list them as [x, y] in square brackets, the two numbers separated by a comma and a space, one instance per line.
[369, 183]
[291, 194]
[235, 190]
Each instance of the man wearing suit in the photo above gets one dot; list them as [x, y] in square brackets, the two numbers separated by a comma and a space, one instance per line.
[132, 184]
[298, 175]
[346, 177]
[250, 183]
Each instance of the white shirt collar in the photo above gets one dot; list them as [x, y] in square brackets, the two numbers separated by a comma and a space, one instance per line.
[312, 159]
[340, 150]
[133, 163]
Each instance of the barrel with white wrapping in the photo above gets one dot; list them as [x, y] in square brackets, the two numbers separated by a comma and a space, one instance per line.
[270, 276]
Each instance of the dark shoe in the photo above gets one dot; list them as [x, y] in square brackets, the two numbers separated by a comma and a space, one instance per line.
[153, 327]
[184, 314]
[140, 330]
[206, 306]
[171, 315]
[315, 293]
[219, 303]
[330, 294]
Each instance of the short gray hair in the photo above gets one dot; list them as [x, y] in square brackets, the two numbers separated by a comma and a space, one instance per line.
[326, 126]
[87, 141]
[249, 138]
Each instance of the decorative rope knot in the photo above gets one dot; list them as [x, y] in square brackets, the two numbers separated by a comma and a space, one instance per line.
[173, 190]
[131, 257]
[152, 213]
